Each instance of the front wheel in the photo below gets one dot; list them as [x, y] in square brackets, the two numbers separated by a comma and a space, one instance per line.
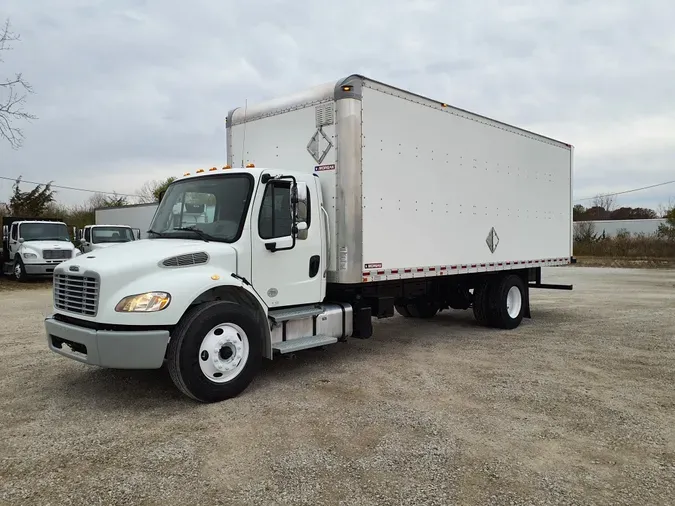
[215, 351]
[19, 270]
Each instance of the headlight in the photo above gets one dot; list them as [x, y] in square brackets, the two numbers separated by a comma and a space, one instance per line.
[143, 302]
[29, 255]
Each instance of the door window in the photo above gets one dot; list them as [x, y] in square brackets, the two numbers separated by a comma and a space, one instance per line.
[275, 213]
[87, 235]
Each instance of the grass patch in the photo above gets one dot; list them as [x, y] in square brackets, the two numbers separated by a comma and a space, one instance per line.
[636, 247]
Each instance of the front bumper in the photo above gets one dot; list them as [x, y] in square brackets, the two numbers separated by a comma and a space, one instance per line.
[112, 349]
[40, 269]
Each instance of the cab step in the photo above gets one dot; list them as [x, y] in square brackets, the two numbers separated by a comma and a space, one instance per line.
[303, 343]
[295, 313]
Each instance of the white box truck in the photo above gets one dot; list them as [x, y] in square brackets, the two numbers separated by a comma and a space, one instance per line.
[353, 200]
[136, 216]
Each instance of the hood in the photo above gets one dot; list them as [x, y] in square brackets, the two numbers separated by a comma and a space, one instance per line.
[48, 245]
[138, 258]
[103, 245]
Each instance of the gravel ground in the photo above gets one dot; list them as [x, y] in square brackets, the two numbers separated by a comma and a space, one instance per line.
[574, 407]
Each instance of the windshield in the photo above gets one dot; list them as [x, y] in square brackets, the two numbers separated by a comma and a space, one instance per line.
[104, 235]
[44, 232]
[215, 205]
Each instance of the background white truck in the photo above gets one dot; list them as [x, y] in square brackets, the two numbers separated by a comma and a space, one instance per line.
[34, 247]
[95, 237]
[353, 200]
[136, 216]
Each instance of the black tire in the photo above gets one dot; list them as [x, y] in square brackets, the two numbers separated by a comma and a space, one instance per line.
[481, 309]
[402, 310]
[183, 355]
[423, 307]
[21, 278]
[498, 311]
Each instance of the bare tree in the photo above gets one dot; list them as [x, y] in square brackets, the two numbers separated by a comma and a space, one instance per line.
[663, 209]
[150, 190]
[606, 202]
[584, 231]
[13, 92]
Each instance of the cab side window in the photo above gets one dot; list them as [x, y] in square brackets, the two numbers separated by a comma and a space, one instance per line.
[14, 232]
[87, 235]
[275, 213]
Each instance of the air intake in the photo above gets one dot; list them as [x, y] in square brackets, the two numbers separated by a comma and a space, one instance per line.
[186, 260]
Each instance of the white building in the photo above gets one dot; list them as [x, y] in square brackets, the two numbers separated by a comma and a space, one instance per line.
[633, 227]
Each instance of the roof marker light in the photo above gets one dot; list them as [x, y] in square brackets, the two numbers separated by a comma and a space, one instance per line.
[227, 167]
[199, 171]
[186, 174]
[213, 168]
[250, 166]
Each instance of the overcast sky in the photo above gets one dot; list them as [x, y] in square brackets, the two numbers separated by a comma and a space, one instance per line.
[131, 90]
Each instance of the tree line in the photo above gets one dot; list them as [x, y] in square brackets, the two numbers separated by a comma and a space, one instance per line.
[40, 202]
[604, 207]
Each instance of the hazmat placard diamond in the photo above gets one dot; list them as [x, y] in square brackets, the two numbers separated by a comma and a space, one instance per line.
[314, 146]
[492, 240]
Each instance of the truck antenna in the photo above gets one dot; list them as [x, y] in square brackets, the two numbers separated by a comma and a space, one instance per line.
[243, 142]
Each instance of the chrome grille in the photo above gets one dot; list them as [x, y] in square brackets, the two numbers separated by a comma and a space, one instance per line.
[76, 294]
[188, 259]
[56, 254]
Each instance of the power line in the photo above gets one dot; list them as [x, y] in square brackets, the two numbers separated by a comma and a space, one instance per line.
[70, 187]
[628, 191]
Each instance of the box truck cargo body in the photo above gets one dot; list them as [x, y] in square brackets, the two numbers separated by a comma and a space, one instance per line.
[339, 204]
[412, 183]
[136, 216]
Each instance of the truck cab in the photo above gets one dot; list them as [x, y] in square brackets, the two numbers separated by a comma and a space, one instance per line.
[259, 244]
[34, 247]
[95, 237]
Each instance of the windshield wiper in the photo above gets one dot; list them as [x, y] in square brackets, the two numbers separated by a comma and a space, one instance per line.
[202, 235]
[158, 234]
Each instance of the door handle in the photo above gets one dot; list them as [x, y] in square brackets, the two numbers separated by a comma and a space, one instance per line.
[314, 263]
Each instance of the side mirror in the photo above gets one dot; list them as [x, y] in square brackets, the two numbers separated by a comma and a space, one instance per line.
[300, 200]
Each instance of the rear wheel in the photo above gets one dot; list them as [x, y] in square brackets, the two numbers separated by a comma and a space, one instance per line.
[402, 309]
[215, 351]
[423, 308]
[481, 310]
[506, 303]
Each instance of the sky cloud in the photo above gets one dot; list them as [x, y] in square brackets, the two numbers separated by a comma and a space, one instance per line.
[131, 90]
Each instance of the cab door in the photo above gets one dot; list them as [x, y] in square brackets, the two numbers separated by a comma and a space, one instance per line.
[13, 240]
[293, 274]
[86, 240]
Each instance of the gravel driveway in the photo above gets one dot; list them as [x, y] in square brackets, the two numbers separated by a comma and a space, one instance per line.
[577, 406]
